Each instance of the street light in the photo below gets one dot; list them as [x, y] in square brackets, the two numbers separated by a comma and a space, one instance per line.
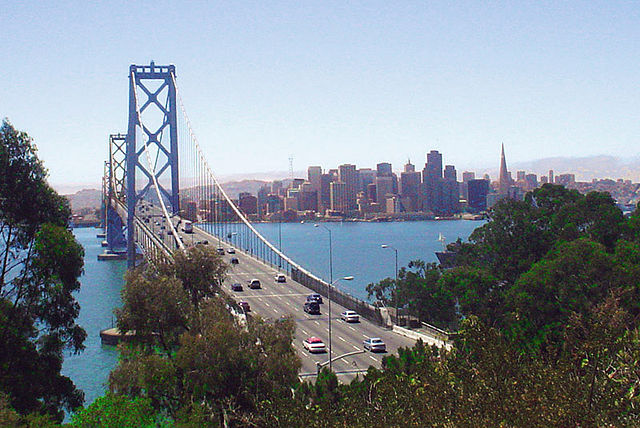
[330, 284]
[344, 278]
[396, 283]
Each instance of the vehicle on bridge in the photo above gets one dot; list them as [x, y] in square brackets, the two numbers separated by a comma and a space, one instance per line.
[280, 278]
[374, 344]
[234, 261]
[350, 316]
[312, 308]
[220, 251]
[236, 286]
[314, 344]
[245, 306]
[254, 283]
[188, 227]
[231, 250]
[315, 297]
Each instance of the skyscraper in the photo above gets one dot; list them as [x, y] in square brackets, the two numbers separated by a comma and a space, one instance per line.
[349, 176]
[338, 191]
[384, 169]
[504, 182]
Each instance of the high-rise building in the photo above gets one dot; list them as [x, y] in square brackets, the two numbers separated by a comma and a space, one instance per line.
[409, 167]
[551, 176]
[366, 176]
[371, 192]
[384, 169]
[434, 164]
[450, 173]
[468, 175]
[504, 180]
[410, 188]
[478, 191]
[325, 194]
[338, 191]
[384, 187]
[348, 174]
[520, 175]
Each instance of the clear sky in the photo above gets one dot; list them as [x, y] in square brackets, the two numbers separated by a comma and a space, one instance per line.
[330, 82]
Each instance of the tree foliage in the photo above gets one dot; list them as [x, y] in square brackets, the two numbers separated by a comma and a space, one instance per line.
[40, 263]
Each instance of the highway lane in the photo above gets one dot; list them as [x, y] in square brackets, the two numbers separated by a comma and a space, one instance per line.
[274, 300]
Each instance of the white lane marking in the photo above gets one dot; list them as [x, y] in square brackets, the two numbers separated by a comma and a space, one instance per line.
[287, 303]
[356, 347]
[278, 297]
[259, 299]
[317, 322]
[304, 331]
[374, 359]
[351, 328]
[267, 304]
[341, 338]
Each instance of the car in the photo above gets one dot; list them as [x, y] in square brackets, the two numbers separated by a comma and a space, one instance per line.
[314, 298]
[245, 306]
[280, 278]
[312, 308]
[254, 283]
[234, 261]
[220, 251]
[350, 316]
[231, 250]
[374, 344]
[236, 286]
[314, 344]
[205, 242]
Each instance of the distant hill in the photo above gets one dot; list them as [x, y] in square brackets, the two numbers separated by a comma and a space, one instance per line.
[585, 168]
[234, 188]
[86, 198]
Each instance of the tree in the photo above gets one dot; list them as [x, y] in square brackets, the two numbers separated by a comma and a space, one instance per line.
[191, 358]
[40, 263]
[116, 411]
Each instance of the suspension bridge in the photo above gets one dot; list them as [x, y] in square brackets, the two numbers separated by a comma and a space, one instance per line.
[157, 180]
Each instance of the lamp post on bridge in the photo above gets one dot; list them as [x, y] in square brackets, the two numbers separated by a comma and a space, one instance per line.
[396, 282]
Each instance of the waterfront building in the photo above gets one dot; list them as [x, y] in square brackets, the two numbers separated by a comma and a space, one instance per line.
[248, 203]
[325, 195]
[348, 174]
[384, 187]
[478, 191]
[338, 193]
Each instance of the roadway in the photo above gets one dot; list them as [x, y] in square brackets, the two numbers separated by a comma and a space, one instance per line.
[274, 300]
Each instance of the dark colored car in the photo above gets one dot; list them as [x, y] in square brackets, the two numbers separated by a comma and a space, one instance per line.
[312, 308]
[314, 298]
[234, 261]
[254, 283]
[245, 306]
[220, 251]
[236, 286]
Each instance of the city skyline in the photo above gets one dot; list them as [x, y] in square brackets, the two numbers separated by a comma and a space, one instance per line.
[330, 83]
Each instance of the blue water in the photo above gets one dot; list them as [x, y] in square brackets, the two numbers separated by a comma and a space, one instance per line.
[99, 294]
[356, 252]
[357, 248]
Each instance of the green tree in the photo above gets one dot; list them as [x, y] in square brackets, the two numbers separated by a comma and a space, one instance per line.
[40, 263]
[116, 411]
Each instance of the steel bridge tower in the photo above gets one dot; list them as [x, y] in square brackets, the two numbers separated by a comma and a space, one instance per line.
[150, 121]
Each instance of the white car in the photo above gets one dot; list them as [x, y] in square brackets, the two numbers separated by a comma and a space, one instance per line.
[314, 344]
[350, 316]
[280, 278]
[375, 344]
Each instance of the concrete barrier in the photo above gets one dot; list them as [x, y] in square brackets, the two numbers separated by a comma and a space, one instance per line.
[426, 338]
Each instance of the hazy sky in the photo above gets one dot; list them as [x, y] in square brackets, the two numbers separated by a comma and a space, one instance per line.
[330, 82]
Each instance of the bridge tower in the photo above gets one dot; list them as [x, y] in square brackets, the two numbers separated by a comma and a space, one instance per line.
[152, 126]
[115, 176]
